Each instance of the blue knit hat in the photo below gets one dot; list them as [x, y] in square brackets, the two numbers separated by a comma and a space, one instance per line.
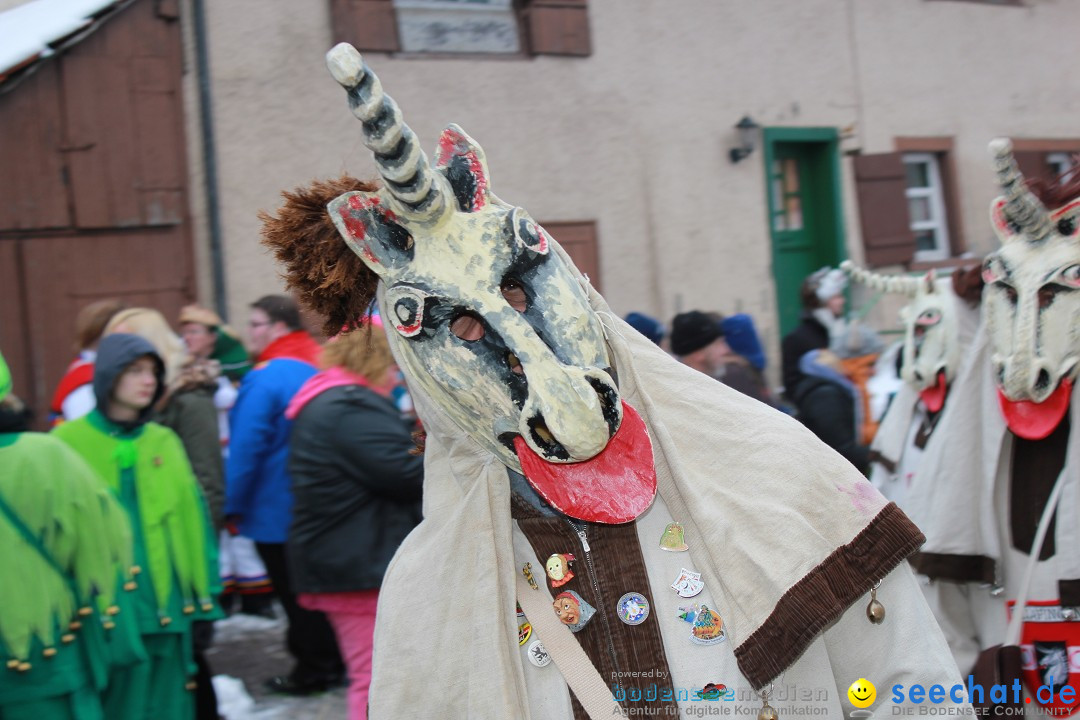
[741, 336]
[647, 326]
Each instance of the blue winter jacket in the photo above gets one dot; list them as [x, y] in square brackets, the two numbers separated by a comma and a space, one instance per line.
[257, 483]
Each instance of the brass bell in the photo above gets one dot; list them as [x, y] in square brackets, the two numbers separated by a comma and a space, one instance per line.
[84, 611]
[49, 652]
[112, 610]
[23, 667]
[767, 711]
[189, 609]
[130, 585]
[68, 638]
[207, 606]
[135, 569]
[12, 664]
[165, 621]
[74, 625]
[875, 611]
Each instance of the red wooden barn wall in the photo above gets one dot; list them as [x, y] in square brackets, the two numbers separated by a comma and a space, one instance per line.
[93, 190]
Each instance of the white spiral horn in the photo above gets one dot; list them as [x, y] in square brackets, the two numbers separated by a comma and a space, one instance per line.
[404, 167]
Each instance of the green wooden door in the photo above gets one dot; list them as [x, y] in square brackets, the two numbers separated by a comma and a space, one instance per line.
[803, 188]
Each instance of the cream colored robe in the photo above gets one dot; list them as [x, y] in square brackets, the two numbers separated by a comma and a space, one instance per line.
[961, 503]
[765, 506]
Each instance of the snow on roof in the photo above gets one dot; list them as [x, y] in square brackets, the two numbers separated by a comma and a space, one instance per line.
[28, 31]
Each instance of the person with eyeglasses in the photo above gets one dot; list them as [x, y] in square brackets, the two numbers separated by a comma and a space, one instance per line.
[258, 499]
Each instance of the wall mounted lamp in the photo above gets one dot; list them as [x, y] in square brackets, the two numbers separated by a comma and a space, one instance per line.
[747, 136]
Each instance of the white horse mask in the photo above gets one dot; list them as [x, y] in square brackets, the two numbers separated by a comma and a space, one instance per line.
[1032, 302]
[931, 350]
[493, 325]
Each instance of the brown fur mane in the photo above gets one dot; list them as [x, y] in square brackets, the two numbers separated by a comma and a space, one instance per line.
[968, 284]
[326, 275]
[1057, 192]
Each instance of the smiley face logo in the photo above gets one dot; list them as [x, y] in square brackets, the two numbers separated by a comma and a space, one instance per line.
[862, 693]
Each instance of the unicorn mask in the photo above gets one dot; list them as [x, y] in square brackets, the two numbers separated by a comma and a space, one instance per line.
[931, 330]
[1032, 302]
[491, 320]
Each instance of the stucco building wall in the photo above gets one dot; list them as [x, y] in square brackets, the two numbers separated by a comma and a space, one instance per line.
[636, 136]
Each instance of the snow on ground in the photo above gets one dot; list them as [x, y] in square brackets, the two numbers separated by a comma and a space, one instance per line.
[247, 650]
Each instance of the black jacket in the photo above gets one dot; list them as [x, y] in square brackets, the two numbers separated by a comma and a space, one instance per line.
[356, 490]
[808, 335]
[828, 409]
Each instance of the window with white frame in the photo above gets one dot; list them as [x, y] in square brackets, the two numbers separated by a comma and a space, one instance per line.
[926, 206]
[456, 26]
[478, 28]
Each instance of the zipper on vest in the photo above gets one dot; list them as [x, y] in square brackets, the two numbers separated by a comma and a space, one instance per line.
[580, 530]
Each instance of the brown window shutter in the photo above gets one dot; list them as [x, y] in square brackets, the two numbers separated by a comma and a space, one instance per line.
[883, 214]
[369, 25]
[558, 27]
[578, 239]
[168, 9]
[1033, 165]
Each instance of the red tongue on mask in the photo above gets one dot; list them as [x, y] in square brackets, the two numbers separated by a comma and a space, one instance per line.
[614, 487]
[1032, 420]
[934, 397]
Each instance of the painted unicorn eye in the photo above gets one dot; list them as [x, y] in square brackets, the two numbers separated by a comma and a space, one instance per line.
[527, 233]
[928, 318]
[1070, 276]
[407, 306]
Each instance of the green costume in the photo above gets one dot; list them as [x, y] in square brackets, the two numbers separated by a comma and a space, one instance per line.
[63, 540]
[231, 353]
[149, 472]
[145, 466]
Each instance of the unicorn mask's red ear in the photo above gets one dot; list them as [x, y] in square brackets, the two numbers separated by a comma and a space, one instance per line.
[327, 275]
[371, 231]
[1018, 212]
[461, 161]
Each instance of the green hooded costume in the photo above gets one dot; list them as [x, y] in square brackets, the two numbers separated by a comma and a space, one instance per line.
[63, 542]
[144, 464]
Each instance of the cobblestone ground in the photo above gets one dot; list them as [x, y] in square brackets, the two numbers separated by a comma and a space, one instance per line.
[248, 650]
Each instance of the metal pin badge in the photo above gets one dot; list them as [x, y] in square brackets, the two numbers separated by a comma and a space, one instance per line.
[632, 608]
[558, 569]
[672, 540]
[688, 584]
[538, 654]
[573, 610]
[524, 627]
[708, 628]
[526, 570]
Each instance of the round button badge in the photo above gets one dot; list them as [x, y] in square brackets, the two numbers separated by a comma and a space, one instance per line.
[538, 654]
[632, 608]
